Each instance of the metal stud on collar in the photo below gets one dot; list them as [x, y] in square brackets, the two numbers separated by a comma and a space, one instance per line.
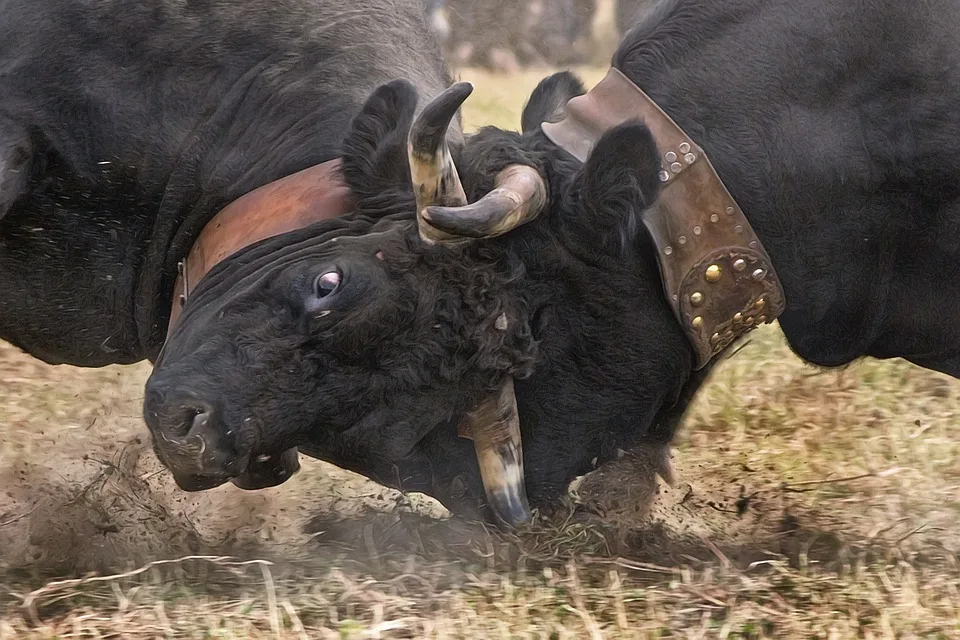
[182, 270]
[671, 166]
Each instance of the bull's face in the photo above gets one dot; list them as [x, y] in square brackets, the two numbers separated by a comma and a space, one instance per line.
[376, 340]
[357, 345]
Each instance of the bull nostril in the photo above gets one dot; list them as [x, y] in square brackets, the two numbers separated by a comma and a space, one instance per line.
[177, 418]
[195, 416]
[198, 428]
[201, 419]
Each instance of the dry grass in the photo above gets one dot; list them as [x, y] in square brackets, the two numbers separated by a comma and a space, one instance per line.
[411, 600]
[810, 504]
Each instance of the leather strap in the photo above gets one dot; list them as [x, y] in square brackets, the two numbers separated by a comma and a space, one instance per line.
[718, 278]
[290, 203]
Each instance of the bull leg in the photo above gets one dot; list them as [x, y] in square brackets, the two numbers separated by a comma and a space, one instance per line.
[16, 156]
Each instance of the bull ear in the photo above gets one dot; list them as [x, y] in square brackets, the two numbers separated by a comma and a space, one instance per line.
[374, 150]
[619, 180]
[548, 102]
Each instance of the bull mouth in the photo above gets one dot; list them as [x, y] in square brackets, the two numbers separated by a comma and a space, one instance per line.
[268, 470]
[195, 483]
[202, 453]
[257, 472]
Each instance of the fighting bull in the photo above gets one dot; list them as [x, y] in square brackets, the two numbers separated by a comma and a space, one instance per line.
[125, 126]
[568, 288]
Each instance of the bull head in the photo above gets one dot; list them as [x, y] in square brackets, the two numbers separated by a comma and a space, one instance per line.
[444, 217]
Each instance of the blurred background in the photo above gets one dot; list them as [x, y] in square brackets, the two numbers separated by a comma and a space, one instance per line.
[508, 35]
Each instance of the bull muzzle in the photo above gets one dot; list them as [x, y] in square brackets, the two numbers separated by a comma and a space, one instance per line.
[199, 451]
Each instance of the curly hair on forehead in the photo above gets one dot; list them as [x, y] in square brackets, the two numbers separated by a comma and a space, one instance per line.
[473, 298]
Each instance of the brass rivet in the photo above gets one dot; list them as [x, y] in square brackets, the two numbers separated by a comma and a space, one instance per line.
[696, 298]
[697, 230]
[739, 264]
[761, 319]
[670, 156]
[682, 239]
[729, 211]
[676, 167]
[712, 274]
[697, 322]
[684, 147]
[738, 228]
[728, 335]
[757, 274]
[738, 317]
[664, 176]
[759, 303]
[748, 321]
[668, 250]
[714, 218]
[715, 338]
[753, 244]
[689, 158]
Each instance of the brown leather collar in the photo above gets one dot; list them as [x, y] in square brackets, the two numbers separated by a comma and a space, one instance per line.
[718, 278]
[290, 203]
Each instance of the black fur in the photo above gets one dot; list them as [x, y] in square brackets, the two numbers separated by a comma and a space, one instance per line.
[386, 116]
[16, 163]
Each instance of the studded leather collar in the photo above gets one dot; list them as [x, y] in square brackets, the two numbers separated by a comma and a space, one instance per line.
[717, 276]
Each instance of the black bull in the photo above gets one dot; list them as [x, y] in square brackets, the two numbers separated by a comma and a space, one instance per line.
[833, 126]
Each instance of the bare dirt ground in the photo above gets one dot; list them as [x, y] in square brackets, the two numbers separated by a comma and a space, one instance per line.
[808, 503]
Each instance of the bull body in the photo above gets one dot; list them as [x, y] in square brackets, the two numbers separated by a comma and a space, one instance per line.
[834, 127]
[124, 126]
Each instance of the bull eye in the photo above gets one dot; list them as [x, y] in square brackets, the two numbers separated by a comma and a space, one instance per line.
[326, 283]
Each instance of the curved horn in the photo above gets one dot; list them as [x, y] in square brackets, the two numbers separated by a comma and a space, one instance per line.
[434, 176]
[494, 426]
[519, 196]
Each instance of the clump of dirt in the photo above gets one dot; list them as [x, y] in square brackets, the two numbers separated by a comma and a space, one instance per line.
[80, 514]
[734, 514]
[719, 506]
[98, 500]
[74, 515]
